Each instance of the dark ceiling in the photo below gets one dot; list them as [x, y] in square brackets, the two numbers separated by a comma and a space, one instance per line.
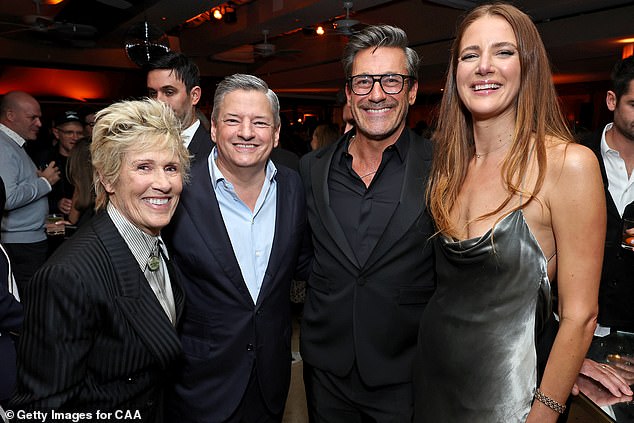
[581, 36]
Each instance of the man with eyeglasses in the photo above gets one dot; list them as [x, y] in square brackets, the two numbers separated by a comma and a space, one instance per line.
[67, 129]
[372, 271]
[89, 122]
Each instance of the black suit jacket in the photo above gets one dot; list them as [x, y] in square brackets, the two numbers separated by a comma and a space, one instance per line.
[10, 324]
[200, 144]
[95, 336]
[616, 292]
[367, 314]
[10, 319]
[224, 334]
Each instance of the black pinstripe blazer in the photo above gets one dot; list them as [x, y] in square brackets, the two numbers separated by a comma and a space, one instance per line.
[94, 335]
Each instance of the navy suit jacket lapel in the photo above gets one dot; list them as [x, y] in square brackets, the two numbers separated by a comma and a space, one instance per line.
[200, 203]
[284, 215]
[319, 178]
[137, 300]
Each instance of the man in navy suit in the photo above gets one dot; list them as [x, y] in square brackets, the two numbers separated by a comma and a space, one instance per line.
[236, 239]
[175, 80]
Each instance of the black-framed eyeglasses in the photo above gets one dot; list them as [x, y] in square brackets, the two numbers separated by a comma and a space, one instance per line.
[391, 83]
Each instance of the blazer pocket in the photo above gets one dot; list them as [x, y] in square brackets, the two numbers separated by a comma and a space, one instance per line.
[196, 348]
[414, 295]
[197, 335]
[319, 284]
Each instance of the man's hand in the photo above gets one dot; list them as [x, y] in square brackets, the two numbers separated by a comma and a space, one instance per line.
[50, 173]
[614, 379]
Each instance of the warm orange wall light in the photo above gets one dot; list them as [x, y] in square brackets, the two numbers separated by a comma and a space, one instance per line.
[77, 85]
[628, 48]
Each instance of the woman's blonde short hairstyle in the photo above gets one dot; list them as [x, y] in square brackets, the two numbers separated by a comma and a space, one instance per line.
[132, 126]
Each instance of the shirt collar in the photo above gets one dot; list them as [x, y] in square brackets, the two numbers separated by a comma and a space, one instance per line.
[605, 148]
[217, 176]
[12, 134]
[188, 133]
[140, 244]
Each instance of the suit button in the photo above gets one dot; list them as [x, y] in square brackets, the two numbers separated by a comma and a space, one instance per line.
[259, 312]
[361, 281]
[130, 380]
[250, 347]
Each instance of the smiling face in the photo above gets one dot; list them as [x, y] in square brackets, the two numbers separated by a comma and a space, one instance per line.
[147, 190]
[488, 73]
[379, 116]
[163, 85]
[244, 132]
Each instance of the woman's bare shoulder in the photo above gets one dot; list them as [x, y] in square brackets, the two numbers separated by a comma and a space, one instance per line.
[569, 159]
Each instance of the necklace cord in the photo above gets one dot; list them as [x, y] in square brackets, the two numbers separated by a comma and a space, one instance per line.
[480, 155]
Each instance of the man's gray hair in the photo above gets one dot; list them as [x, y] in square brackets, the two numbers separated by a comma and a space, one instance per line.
[379, 36]
[245, 82]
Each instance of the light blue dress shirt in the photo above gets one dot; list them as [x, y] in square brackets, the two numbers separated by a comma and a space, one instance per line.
[251, 233]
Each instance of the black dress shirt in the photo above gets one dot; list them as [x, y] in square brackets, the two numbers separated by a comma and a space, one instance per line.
[363, 212]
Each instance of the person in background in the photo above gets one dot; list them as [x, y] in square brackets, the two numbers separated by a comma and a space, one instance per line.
[80, 174]
[89, 122]
[512, 197]
[348, 118]
[614, 147]
[323, 135]
[346, 111]
[100, 316]
[67, 130]
[175, 79]
[26, 206]
[11, 317]
[238, 238]
[372, 272]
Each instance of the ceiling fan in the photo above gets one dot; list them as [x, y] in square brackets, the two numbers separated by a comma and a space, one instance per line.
[49, 29]
[264, 49]
[251, 53]
[347, 26]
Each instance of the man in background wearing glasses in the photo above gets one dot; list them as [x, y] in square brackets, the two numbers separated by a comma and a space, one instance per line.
[373, 268]
[67, 129]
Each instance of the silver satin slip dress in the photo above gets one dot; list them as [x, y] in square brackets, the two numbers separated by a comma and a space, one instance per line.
[477, 360]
